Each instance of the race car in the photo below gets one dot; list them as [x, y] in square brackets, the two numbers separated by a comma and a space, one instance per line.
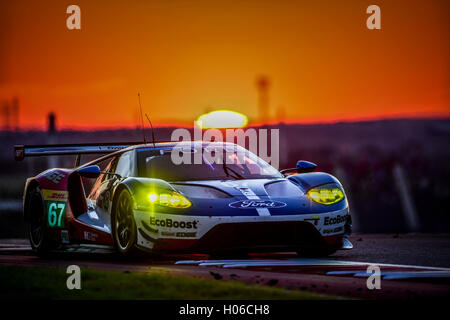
[219, 198]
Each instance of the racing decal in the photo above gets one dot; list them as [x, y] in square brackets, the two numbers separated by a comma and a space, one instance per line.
[314, 220]
[90, 236]
[54, 176]
[56, 214]
[179, 234]
[254, 204]
[169, 223]
[55, 203]
[113, 148]
[252, 196]
[65, 236]
[186, 234]
[54, 195]
[335, 230]
[335, 220]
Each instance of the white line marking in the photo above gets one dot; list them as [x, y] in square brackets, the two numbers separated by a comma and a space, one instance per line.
[252, 196]
[298, 262]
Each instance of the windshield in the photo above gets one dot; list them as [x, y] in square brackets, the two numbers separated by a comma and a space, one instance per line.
[203, 163]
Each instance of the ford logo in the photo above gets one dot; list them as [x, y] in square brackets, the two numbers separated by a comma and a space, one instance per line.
[255, 204]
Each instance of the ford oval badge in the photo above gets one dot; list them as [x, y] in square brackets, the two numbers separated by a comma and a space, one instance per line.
[257, 204]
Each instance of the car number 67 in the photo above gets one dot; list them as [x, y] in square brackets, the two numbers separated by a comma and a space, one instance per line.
[55, 214]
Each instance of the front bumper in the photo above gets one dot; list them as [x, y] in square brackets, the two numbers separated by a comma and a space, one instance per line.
[168, 232]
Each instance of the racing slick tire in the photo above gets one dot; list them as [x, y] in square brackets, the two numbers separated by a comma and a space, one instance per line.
[36, 223]
[123, 225]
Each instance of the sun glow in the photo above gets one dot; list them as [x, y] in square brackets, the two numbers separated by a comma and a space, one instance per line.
[221, 119]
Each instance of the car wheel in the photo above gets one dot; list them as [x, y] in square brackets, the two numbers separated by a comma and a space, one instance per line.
[123, 224]
[36, 222]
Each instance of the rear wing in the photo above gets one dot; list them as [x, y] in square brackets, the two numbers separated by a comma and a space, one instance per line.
[22, 151]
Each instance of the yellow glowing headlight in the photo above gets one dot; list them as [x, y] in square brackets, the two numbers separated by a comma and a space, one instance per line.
[326, 194]
[169, 199]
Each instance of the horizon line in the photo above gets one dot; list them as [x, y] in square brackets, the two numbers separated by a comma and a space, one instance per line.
[254, 124]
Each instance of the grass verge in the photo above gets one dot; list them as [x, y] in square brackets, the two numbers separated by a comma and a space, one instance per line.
[50, 283]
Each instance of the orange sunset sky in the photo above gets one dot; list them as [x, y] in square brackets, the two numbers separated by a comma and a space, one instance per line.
[188, 57]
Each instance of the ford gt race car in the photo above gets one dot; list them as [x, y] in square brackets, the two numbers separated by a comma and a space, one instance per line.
[137, 198]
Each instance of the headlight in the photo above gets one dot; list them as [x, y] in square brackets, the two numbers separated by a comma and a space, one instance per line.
[169, 199]
[326, 194]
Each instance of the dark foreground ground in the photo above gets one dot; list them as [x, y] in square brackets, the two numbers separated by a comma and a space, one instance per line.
[299, 278]
[431, 250]
[419, 249]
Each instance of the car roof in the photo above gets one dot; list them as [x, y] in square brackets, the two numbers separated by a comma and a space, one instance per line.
[158, 146]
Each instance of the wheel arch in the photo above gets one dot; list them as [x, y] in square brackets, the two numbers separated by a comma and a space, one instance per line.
[117, 190]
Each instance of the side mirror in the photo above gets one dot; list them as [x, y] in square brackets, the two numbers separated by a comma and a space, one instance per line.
[305, 166]
[302, 167]
[92, 172]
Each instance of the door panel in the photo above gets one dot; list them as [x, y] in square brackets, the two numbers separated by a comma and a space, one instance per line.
[99, 196]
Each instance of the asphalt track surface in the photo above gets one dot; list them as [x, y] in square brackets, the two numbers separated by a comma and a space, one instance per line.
[413, 266]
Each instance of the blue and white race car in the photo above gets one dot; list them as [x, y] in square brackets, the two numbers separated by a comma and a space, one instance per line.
[137, 198]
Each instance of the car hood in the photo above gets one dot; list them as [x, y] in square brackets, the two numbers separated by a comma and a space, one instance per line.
[234, 188]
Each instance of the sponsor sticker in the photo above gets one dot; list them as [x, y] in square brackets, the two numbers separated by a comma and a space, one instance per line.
[186, 234]
[65, 236]
[54, 195]
[314, 220]
[54, 176]
[90, 236]
[169, 223]
[179, 234]
[335, 230]
[257, 204]
[335, 220]
[55, 203]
